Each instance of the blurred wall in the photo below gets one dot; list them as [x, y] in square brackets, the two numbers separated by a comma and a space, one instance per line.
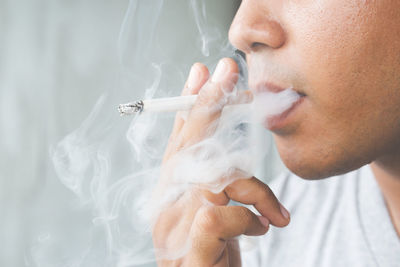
[56, 59]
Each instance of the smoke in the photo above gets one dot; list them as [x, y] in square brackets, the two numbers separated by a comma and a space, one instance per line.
[121, 179]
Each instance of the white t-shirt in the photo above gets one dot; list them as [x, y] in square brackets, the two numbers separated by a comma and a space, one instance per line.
[340, 221]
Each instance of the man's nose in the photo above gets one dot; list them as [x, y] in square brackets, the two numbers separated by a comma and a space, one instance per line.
[253, 28]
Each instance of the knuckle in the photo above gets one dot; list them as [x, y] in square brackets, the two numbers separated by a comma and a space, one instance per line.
[245, 216]
[208, 220]
[265, 194]
[210, 95]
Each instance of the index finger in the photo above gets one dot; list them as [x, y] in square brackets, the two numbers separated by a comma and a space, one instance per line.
[197, 78]
[254, 192]
[211, 100]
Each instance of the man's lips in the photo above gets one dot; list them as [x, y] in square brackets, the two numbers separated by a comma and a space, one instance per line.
[278, 121]
[258, 88]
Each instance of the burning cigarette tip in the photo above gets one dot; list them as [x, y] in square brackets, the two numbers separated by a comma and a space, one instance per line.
[130, 108]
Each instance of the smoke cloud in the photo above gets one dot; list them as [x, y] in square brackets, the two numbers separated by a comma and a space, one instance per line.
[116, 169]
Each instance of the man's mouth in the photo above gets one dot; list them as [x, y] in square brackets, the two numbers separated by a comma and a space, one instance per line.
[273, 88]
[278, 122]
[276, 104]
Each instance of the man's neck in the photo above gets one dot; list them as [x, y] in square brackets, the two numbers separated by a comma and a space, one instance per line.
[387, 174]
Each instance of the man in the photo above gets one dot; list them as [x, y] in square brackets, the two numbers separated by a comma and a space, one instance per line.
[343, 59]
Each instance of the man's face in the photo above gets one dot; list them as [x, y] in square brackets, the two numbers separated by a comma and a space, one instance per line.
[344, 56]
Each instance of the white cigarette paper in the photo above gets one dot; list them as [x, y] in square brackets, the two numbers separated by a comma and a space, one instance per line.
[178, 103]
[169, 104]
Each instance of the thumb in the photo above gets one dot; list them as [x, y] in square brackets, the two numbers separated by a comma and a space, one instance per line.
[214, 226]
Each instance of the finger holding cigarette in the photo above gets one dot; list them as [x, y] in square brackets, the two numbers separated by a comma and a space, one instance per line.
[178, 103]
[212, 98]
[209, 228]
[212, 95]
[198, 76]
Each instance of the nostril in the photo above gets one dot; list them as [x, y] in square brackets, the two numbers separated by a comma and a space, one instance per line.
[256, 45]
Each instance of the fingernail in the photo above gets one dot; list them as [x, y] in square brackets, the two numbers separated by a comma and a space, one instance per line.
[284, 212]
[194, 77]
[264, 221]
[220, 71]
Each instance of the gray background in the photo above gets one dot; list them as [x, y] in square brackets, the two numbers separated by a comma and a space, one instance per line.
[56, 58]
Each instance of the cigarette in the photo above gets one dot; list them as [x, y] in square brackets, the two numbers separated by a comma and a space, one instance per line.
[173, 104]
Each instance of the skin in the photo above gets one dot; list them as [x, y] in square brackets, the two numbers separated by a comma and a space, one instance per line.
[210, 227]
[344, 56]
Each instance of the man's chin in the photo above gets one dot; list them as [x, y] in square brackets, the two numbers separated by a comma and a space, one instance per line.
[311, 165]
[317, 169]
[306, 171]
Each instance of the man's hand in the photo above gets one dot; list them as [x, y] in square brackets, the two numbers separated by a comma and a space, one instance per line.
[198, 228]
